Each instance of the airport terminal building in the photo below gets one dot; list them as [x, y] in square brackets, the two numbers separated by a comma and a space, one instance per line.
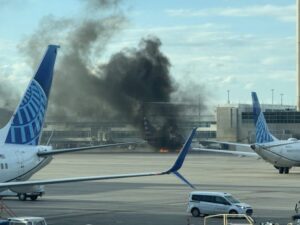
[235, 122]
[75, 134]
[231, 122]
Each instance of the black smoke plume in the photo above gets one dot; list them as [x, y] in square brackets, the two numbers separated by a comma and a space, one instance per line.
[86, 90]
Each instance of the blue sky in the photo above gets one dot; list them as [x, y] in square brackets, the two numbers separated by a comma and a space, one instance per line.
[236, 45]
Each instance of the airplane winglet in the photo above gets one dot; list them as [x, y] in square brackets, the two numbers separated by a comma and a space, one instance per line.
[177, 174]
[180, 159]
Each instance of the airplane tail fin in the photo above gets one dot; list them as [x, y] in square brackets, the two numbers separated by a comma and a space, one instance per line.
[26, 124]
[149, 132]
[262, 133]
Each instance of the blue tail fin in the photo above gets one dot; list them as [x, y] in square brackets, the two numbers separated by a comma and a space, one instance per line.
[26, 124]
[262, 134]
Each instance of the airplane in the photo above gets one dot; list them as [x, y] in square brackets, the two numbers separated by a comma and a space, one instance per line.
[167, 137]
[21, 156]
[282, 154]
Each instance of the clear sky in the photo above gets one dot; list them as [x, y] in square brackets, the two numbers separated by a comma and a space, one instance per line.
[236, 45]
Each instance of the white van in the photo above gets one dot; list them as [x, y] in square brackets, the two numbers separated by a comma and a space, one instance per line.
[208, 203]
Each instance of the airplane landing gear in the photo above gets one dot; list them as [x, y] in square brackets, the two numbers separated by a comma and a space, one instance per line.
[282, 170]
[32, 196]
[286, 170]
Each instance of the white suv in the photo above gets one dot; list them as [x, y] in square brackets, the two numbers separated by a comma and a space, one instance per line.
[208, 203]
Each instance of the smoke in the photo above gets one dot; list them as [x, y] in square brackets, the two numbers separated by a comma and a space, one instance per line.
[101, 4]
[135, 76]
[8, 101]
[77, 84]
[84, 90]
[75, 92]
[120, 89]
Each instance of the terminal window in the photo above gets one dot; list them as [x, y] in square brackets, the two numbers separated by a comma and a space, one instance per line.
[274, 117]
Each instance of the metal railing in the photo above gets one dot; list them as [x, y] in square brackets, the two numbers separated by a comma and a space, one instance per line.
[225, 218]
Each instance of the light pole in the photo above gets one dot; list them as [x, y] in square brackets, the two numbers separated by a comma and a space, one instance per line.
[298, 53]
[228, 97]
[281, 96]
[272, 90]
[199, 110]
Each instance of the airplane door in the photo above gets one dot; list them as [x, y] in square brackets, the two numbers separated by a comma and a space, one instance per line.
[20, 162]
[221, 205]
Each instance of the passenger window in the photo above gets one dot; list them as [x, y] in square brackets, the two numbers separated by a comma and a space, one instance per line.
[206, 198]
[2, 167]
[209, 199]
[220, 200]
[6, 166]
[196, 198]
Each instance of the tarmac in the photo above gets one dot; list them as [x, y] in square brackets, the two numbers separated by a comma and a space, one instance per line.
[160, 199]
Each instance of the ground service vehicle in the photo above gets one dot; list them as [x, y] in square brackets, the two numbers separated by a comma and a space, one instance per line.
[40, 191]
[24, 221]
[208, 203]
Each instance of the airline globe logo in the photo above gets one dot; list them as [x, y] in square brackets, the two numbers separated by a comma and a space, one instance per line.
[262, 131]
[28, 120]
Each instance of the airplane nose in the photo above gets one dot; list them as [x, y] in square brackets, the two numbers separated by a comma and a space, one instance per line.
[252, 146]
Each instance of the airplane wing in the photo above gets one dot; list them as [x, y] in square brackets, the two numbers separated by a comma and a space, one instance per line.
[67, 150]
[229, 143]
[173, 170]
[238, 153]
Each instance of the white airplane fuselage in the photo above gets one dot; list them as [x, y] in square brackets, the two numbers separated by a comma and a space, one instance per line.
[285, 153]
[20, 162]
